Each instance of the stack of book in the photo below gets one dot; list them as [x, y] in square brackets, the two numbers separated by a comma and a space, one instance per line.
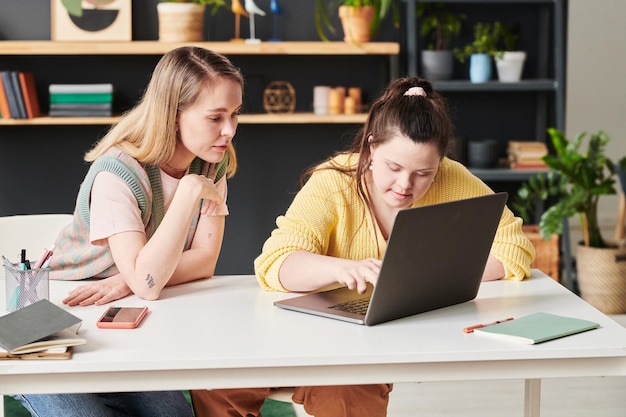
[18, 95]
[81, 100]
[527, 155]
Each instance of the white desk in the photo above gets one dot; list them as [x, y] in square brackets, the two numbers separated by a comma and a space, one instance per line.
[225, 333]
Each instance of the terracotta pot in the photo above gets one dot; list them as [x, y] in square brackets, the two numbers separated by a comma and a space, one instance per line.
[180, 22]
[602, 278]
[356, 22]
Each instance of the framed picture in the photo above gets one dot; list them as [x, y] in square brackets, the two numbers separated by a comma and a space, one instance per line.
[93, 20]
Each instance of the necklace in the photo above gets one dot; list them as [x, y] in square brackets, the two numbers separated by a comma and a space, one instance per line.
[178, 170]
[175, 172]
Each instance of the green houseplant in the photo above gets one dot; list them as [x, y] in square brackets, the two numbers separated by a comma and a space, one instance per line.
[438, 26]
[351, 11]
[576, 179]
[509, 59]
[480, 50]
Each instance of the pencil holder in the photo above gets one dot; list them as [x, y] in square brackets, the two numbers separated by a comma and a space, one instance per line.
[25, 287]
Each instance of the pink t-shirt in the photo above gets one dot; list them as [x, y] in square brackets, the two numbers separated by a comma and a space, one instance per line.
[114, 209]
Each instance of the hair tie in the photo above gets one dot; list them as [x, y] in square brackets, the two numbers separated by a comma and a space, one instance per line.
[415, 91]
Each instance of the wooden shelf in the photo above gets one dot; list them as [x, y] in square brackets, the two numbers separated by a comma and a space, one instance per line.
[294, 118]
[226, 48]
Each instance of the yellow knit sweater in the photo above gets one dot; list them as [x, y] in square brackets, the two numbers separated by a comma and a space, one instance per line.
[328, 217]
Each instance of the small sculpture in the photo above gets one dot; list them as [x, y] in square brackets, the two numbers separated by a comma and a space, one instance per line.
[252, 10]
[238, 10]
[276, 11]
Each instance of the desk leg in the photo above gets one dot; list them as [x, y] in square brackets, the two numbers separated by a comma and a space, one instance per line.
[532, 397]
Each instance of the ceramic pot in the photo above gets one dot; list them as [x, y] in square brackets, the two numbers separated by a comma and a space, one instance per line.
[437, 65]
[356, 22]
[480, 68]
[509, 67]
[482, 154]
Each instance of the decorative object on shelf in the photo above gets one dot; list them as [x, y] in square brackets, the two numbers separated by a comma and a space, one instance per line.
[276, 12]
[238, 10]
[353, 12]
[321, 96]
[253, 10]
[439, 25]
[336, 100]
[526, 154]
[81, 100]
[482, 153]
[479, 51]
[509, 60]
[576, 180]
[100, 20]
[279, 97]
[183, 21]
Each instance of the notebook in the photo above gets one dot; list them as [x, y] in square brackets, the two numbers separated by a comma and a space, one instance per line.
[538, 328]
[435, 258]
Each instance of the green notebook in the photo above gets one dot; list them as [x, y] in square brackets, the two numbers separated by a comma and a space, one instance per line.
[537, 328]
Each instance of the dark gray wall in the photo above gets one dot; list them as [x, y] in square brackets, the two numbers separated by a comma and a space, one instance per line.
[41, 167]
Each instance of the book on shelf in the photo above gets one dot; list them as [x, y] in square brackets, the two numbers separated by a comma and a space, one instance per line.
[21, 107]
[537, 328]
[103, 88]
[526, 155]
[5, 113]
[80, 112]
[29, 93]
[11, 93]
[39, 331]
[62, 98]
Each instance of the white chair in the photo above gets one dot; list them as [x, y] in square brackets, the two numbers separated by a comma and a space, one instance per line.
[32, 232]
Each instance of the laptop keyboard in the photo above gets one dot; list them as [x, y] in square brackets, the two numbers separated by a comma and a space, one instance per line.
[354, 306]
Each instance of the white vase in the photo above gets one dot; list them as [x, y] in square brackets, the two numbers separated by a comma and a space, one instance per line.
[510, 66]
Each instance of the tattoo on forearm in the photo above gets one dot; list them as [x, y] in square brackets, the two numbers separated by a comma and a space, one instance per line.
[210, 235]
[150, 281]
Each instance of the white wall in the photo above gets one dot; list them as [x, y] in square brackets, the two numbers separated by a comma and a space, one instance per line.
[596, 83]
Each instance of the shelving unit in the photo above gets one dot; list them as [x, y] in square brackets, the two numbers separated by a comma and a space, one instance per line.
[546, 81]
[50, 48]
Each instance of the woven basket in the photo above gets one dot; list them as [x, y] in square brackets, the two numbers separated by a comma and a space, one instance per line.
[602, 278]
[547, 258]
[180, 22]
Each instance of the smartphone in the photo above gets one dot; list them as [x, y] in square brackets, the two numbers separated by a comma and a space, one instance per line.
[122, 317]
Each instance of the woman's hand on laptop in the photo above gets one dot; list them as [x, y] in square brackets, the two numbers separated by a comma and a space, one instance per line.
[356, 274]
[304, 271]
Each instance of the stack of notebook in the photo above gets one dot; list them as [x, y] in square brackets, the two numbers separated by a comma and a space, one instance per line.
[81, 100]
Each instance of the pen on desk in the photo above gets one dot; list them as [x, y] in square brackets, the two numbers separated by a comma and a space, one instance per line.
[47, 261]
[470, 329]
[47, 253]
[23, 260]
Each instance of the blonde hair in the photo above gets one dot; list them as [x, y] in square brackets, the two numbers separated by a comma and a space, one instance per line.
[147, 132]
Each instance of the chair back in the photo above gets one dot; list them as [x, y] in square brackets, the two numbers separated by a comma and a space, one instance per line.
[32, 232]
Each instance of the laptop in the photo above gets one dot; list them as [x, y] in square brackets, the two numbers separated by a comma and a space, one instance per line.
[435, 258]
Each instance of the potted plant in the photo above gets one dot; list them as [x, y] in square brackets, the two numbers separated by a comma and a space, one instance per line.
[509, 60]
[480, 50]
[438, 25]
[183, 20]
[360, 19]
[576, 179]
